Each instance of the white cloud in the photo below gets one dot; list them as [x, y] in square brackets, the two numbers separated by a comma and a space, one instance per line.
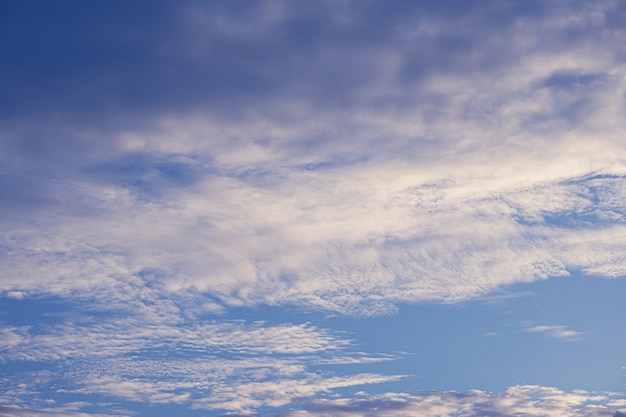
[26, 412]
[11, 336]
[354, 239]
[528, 400]
[228, 365]
[280, 392]
[520, 400]
[487, 175]
[559, 332]
[117, 337]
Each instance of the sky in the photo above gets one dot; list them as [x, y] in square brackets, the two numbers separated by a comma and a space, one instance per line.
[311, 209]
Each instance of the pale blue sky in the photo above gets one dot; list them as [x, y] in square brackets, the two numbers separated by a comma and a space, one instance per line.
[304, 209]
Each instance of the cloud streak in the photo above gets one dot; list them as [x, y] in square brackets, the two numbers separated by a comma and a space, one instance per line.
[349, 244]
[519, 400]
[559, 332]
[24, 412]
[219, 365]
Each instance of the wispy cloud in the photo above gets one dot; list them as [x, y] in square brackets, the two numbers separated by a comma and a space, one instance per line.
[525, 400]
[123, 336]
[330, 240]
[559, 332]
[25, 412]
[220, 365]
[280, 392]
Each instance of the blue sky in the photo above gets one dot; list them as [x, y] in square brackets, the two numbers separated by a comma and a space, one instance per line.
[307, 209]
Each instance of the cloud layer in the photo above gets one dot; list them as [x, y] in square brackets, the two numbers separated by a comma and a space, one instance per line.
[527, 400]
[483, 169]
[162, 164]
[220, 365]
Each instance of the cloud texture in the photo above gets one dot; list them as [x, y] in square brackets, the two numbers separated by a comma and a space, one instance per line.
[527, 400]
[482, 169]
[166, 162]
